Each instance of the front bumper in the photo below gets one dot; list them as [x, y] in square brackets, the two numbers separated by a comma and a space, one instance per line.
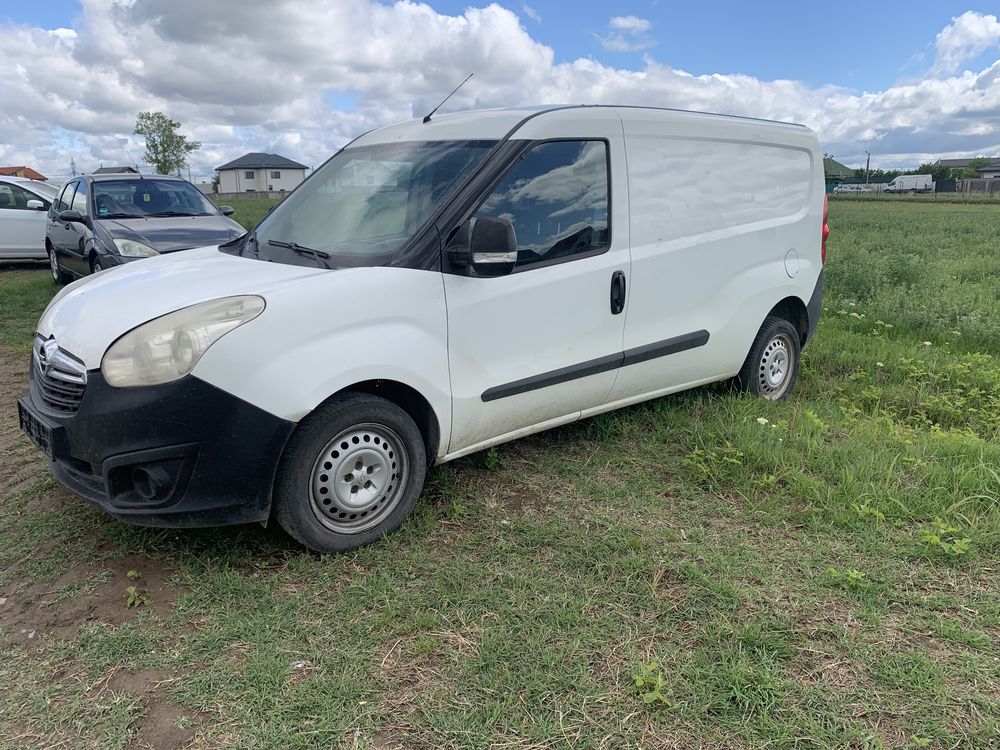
[182, 454]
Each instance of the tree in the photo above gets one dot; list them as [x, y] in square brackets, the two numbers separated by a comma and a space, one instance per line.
[938, 172]
[166, 149]
[216, 179]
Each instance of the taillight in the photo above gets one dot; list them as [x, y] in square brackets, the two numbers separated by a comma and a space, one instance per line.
[826, 228]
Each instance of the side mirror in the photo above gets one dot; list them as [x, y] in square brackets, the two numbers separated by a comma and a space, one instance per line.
[69, 215]
[487, 244]
[227, 210]
[35, 205]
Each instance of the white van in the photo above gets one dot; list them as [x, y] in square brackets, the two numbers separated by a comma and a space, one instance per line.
[434, 289]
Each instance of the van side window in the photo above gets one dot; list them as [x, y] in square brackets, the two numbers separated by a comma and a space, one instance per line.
[556, 196]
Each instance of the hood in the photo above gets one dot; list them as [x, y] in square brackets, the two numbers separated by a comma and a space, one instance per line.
[169, 233]
[87, 316]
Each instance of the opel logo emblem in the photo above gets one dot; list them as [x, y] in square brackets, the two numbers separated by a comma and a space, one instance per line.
[45, 353]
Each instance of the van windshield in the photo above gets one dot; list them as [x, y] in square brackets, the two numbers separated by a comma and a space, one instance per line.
[364, 204]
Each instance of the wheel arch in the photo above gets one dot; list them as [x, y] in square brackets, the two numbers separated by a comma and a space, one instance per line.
[795, 312]
[407, 398]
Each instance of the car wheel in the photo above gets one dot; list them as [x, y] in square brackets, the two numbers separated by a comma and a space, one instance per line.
[351, 473]
[772, 366]
[58, 275]
[95, 263]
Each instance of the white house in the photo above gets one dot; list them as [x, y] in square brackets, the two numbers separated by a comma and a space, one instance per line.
[260, 172]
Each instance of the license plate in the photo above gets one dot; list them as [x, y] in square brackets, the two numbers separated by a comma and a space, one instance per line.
[37, 431]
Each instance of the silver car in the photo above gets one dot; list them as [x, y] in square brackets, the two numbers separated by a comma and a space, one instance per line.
[23, 207]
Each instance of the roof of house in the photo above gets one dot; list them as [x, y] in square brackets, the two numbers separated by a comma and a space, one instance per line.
[833, 168]
[115, 170]
[262, 161]
[994, 161]
[22, 171]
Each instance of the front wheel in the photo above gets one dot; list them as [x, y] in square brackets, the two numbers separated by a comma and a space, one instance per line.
[352, 473]
[59, 276]
[772, 366]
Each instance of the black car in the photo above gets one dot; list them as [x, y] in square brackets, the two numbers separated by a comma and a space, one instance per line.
[99, 221]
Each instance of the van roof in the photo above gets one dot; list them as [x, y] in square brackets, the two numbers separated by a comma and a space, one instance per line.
[494, 124]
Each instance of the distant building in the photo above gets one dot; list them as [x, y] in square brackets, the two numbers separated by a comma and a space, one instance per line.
[833, 170]
[27, 172]
[258, 172]
[988, 172]
[116, 170]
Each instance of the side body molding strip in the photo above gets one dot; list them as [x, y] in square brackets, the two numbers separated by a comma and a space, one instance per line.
[602, 364]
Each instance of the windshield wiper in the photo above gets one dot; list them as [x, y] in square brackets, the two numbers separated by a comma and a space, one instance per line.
[120, 215]
[175, 213]
[295, 247]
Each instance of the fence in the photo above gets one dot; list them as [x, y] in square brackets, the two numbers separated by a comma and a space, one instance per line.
[953, 191]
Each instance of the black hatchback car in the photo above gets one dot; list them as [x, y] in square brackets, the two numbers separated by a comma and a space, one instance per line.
[99, 221]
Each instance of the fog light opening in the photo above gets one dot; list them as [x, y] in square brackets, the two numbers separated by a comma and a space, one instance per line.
[150, 482]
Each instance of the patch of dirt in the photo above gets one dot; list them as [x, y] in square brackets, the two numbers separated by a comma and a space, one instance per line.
[158, 729]
[36, 613]
[15, 464]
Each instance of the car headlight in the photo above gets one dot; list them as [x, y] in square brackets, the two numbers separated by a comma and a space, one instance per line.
[169, 347]
[133, 249]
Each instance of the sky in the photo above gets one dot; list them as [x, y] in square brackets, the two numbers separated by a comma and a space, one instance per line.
[909, 81]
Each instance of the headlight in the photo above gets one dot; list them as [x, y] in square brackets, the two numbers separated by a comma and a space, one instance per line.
[168, 348]
[133, 249]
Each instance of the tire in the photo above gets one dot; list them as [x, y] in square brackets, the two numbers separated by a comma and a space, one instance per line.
[59, 276]
[323, 496]
[772, 366]
[95, 263]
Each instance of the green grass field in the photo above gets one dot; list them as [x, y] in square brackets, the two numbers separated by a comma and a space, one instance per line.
[249, 211]
[700, 571]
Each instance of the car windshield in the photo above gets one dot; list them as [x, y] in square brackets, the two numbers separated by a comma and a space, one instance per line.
[36, 186]
[365, 204]
[123, 199]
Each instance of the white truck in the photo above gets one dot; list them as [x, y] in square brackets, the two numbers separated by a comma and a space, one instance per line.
[911, 183]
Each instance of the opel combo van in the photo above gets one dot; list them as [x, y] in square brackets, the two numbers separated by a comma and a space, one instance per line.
[434, 289]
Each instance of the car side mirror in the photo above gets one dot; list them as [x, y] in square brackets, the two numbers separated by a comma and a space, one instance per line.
[69, 215]
[487, 245]
[227, 210]
[35, 205]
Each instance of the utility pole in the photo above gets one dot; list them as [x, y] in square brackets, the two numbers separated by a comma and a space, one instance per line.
[72, 166]
[868, 165]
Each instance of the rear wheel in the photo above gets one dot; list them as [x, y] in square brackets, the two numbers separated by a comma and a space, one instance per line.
[772, 366]
[352, 473]
[58, 275]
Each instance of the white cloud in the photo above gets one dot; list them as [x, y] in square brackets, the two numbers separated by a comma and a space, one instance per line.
[531, 13]
[966, 37]
[627, 34]
[632, 24]
[243, 77]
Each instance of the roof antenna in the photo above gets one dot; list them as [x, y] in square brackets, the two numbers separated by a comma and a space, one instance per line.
[134, 163]
[427, 117]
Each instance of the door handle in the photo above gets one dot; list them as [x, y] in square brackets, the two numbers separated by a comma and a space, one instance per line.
[617, 292]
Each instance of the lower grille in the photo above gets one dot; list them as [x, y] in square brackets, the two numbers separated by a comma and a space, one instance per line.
[61, 377]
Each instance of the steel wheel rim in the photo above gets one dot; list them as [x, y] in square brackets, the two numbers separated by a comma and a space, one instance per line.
[358, 478]
[54, 265]
[775, 367]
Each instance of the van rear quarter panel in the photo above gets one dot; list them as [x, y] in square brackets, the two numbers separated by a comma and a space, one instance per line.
[716, 204]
